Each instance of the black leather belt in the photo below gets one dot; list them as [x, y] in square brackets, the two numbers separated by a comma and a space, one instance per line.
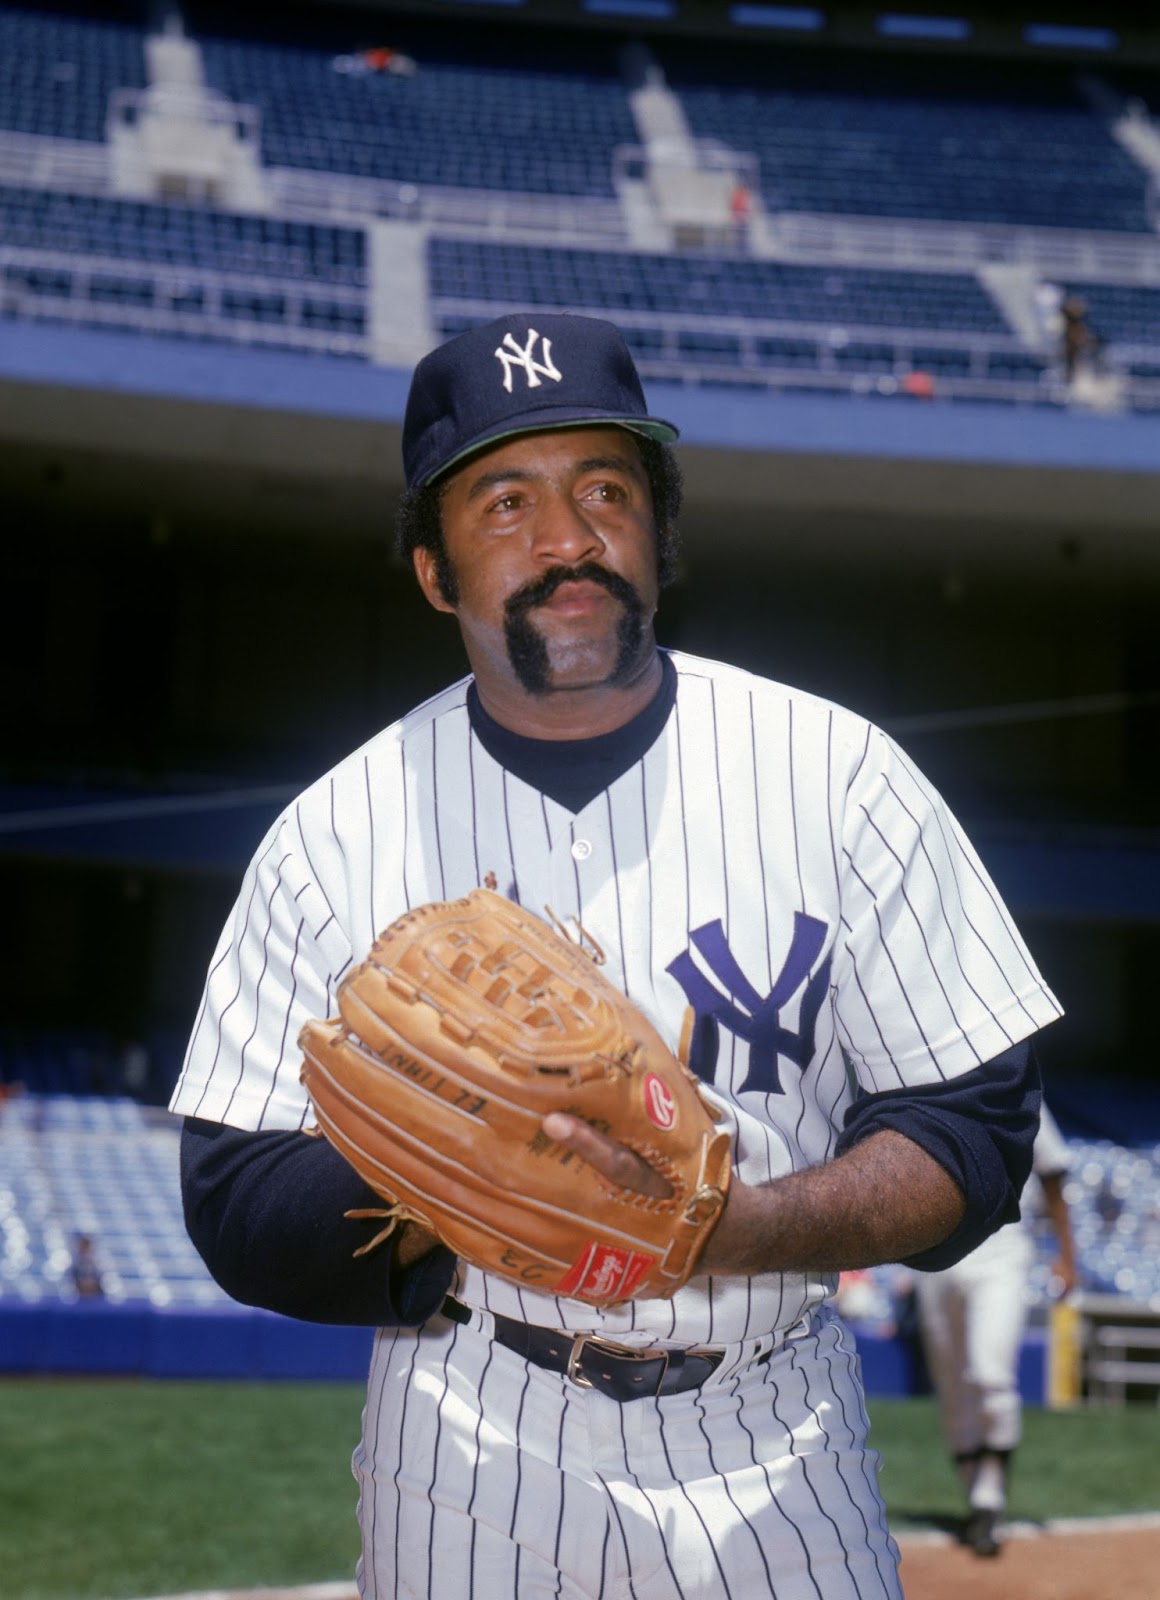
[592, 1362]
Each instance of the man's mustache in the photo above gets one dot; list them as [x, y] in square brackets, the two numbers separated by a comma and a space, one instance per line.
[540, 590]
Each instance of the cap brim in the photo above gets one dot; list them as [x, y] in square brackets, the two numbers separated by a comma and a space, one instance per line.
[549, 422]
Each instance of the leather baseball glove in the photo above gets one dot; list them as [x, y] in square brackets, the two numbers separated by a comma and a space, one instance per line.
[468, 1023]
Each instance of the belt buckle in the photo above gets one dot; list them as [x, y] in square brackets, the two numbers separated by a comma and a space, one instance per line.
[619, 1352]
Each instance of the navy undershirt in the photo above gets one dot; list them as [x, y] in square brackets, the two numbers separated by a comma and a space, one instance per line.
[574, 771]
[267, 1210]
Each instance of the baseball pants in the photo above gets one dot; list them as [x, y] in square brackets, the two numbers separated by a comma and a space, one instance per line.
[484, 1476]
[972, 1317]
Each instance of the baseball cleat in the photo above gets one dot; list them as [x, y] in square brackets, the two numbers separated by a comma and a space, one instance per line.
[979, 1534]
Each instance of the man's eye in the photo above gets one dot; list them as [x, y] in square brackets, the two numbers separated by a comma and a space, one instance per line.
[609, 491]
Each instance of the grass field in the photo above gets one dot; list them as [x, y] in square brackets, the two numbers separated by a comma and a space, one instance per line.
[114, 1490]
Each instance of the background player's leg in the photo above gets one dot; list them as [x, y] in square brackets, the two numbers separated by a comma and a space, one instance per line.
[942, 1317]
[996, 1317]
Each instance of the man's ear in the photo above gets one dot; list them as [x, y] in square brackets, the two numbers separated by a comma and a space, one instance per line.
[427, 572]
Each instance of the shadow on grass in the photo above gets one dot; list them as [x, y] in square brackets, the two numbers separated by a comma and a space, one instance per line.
[904, 1520]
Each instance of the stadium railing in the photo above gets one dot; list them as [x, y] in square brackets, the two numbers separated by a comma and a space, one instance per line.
[284, 312]
[275, 305]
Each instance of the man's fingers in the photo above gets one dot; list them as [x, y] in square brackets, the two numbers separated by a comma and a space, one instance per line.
[414, 1243]
[612, 1160]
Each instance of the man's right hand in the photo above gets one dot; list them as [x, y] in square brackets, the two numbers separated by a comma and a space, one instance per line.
[412, 1243]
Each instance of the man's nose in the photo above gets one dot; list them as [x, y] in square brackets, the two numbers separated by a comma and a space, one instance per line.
[564, 535]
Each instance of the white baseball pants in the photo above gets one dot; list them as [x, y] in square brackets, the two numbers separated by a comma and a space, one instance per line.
[484, 1476]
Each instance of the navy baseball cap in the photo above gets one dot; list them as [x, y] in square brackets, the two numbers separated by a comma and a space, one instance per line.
[523, 373]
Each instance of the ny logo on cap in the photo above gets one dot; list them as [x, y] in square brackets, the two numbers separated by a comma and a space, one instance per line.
[534, 370]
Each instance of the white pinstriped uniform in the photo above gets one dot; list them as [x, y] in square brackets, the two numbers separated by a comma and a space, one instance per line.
[770, 850]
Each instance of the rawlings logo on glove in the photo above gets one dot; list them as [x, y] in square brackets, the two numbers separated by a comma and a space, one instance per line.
[468, 1023]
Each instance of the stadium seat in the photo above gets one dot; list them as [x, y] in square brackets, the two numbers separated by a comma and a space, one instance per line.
[917, 138]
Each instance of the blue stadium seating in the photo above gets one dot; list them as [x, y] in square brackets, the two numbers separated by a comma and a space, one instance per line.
[57, 72]
[479, 125]
[837, 308]
[497, 117]
[105, 1167]
[707, 286]
[961, 142]
[1121, 313]
[153, 231]
[491, 108]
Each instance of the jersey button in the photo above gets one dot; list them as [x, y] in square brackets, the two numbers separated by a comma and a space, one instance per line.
[581, 850]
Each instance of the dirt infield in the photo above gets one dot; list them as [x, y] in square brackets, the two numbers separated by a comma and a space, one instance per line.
[1106, 1560]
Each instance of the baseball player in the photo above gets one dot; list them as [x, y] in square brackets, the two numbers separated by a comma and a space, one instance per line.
[753, 860]
[972, 1316]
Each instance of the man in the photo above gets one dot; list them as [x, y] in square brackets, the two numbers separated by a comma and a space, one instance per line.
[972, 1316]
[860, 1011]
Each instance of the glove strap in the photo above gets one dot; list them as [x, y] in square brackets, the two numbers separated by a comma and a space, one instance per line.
[396, 1214]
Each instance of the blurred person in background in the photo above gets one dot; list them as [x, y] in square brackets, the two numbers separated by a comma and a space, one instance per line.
[379, 59]
[86, 1275]
[972, 1317]
[1080, 344]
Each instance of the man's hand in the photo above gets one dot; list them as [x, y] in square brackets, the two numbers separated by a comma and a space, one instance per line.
[884, 1200]
[436, 1075]
[630, 1171]
[1065, 1268]
[1064, 1276]
[412, 1243]
[614, 1161]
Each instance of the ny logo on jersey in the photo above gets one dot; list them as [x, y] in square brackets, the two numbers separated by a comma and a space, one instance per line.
[532, 369]
[744, 1011]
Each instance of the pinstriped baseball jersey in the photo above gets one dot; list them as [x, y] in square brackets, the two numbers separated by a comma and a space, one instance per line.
[772, 861]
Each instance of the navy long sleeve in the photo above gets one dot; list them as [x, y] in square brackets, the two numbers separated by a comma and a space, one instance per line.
[266, 1213]
[266, 1210]
[979, 1127]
